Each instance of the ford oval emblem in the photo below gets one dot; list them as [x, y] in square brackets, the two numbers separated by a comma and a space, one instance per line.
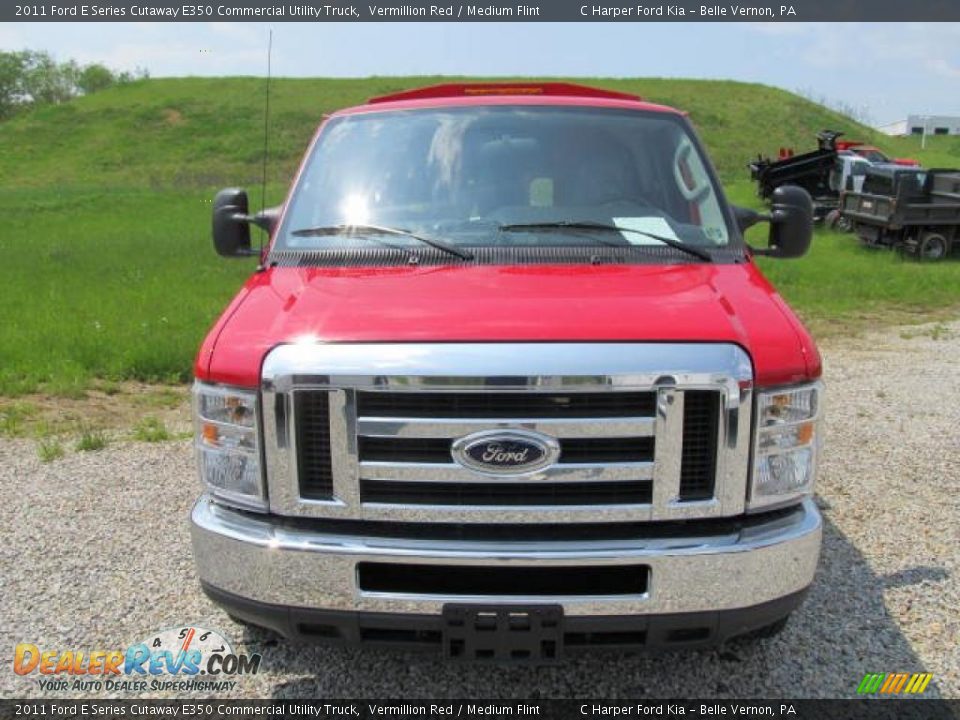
[506, 452]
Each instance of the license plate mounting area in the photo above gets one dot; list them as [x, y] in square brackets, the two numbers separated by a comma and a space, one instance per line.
[503, 633]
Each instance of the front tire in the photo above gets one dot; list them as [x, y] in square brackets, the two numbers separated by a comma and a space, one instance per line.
[933, 247]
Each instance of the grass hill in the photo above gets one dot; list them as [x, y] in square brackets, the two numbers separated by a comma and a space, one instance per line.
[108, 272]
[206, 132]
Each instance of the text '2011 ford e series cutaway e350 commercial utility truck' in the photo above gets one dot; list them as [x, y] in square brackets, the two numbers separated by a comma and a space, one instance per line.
[507, 384]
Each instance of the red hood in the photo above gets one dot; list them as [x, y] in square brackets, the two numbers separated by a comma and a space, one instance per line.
[705, 303]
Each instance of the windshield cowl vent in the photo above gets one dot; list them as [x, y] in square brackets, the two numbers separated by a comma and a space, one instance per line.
[552, 255]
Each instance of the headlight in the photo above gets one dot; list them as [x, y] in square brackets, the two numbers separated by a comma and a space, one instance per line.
[228, 451]
[785, 451]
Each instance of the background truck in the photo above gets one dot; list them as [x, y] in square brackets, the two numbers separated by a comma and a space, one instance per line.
[917, 211]
[813, 171]
[874, 154]
[849, 174]
[507, 384]
[824, 173]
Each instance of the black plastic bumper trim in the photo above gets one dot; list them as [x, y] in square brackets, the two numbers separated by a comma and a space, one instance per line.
[425, 632]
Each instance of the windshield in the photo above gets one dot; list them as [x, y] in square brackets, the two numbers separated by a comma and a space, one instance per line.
[473, 177]
[909, 182]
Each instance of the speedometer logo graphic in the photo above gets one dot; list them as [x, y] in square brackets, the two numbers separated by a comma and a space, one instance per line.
[185, 639]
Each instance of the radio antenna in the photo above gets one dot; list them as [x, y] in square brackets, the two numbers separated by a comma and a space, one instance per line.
[266, 135]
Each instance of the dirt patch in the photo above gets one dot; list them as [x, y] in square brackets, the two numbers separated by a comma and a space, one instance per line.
[111, 407]
[877, 321]
[172, 116]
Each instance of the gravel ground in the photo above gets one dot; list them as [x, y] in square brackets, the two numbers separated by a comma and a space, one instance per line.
[98, 556]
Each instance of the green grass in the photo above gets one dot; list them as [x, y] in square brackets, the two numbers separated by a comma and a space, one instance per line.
[49, 449]
[151, 429]
[109, 387]
[201, 133]
[106, 284]
[163, 398]
[108, 271]
[841, 285]
[91, 440]
[13, 418]
[939, 331]
[839, 282]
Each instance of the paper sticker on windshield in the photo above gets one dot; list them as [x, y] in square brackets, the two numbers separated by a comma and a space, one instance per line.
[541, 192]
[652, 225]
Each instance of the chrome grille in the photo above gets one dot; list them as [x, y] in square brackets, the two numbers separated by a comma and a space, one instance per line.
[645, 431]
[604, 465]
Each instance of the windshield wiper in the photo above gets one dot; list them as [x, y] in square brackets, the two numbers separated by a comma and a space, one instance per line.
[366, 230]
[606, 227]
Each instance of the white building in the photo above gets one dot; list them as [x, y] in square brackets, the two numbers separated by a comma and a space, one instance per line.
[924, 125]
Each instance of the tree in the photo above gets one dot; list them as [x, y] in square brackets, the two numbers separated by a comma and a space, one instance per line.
[95, 77]
[32, 77]
[49, 82]
[140, 73]
[11, 82]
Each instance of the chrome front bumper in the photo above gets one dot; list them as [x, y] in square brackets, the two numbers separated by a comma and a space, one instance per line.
[262, 559]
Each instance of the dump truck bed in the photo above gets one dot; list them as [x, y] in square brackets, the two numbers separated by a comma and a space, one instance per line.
[810, 171]
[940, 205]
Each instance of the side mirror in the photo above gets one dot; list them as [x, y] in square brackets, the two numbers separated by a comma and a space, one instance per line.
[791, 223]
[747, 218]
[267, 218]
[231, 231]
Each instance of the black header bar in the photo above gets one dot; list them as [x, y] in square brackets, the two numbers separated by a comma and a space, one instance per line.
[274, 11]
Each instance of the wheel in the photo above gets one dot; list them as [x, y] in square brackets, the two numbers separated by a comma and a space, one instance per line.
[932, 247]
[836, 220]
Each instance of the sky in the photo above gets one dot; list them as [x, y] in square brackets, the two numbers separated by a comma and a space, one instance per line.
[882, 70]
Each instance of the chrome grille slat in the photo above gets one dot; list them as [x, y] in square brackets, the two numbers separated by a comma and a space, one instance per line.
[409, 427]
[492, 402]
[666, 478]
[451, 472]
[590, 451]
[585, 393]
